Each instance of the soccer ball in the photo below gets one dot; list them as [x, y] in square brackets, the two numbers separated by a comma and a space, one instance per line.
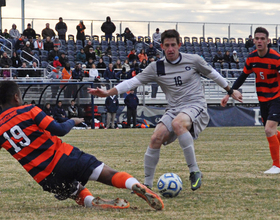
[169, 185]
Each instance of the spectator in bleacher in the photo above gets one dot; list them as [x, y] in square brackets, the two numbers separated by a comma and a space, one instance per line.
[108, 27]
[157, 57]
[39, 45]
[77, 72]
[81, 56]
[93, 73]
[91, 54]
[55, 52]
[48, 109]
[234, 58]
[81, 32]
[20, 43]
[128, 35]
[30, 39]
[29, 32]
[48, 44]
[142, 56]
[86, 48]
[57, 42]
[34, 72]
[48, 32]
[121, 74]
[97, 51]
[16, 62]
[101, 65]
[132, 55]
[133, 71]
[156, 36]
[89, 63]
[151, 51]
[27, 52]
[59, 113]
[150, 60]
[249, 43]
[126, 65]
[109, 72]
[55, 74]
[61, 29]
[132, 64]
[143, 64]
[6, 34]
[118, 64]
[6, 73]
[63, 59]
[226, 57]
[14, 33]
[66, 76]
[73, 110]
[112, 105]
[5, 60]
[218, 58]
[22, 72]
[56, 62]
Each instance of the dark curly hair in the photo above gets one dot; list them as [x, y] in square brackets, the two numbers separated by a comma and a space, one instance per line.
[8, 89]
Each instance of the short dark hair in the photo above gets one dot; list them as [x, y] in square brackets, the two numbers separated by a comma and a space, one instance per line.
[261, 30]
[8, 89]
[171, 33]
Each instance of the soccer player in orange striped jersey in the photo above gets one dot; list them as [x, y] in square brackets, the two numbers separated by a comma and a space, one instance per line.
[265, 63]
[29, 135]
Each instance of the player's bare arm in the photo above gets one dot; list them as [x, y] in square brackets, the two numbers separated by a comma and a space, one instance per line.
[236, 95]
[102, 93]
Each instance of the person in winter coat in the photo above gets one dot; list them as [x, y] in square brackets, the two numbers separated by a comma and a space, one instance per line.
[61, 29]
[128, 35]
[108, 27]
[81, 32]
[112, 105]
[131, 101]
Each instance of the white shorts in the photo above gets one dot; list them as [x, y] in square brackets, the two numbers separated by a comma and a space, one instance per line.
[198, 115]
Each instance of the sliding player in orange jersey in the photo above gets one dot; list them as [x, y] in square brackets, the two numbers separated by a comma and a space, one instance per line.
[265, 63]
[28, 134]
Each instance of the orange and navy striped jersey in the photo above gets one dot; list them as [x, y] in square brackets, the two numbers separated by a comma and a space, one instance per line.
[26, 133]
[267, 74]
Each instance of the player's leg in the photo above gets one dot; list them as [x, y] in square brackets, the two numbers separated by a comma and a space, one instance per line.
[124, 180]
[271, 135]
[151, 157]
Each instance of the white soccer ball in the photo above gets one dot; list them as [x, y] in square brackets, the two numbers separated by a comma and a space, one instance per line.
[169, 185]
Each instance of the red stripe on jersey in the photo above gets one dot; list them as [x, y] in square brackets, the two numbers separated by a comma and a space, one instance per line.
[267, 76]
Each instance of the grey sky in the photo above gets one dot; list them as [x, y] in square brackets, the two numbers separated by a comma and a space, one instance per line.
[162, 14]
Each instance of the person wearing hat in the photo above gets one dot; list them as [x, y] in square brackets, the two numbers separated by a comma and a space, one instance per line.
[57, 42]
[61, 29]
[81, 32]
[14, 33]
[234, 58]
[27, 55]
[108, 27]
[156, 36]
[249, 43]
[29, 32]
[52, 54]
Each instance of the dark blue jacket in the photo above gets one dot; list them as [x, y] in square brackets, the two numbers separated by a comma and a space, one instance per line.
[109, 74]
[112, 104]
[131, 101]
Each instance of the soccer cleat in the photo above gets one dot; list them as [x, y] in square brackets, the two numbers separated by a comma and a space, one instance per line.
[195, 178]
[151, 198]
[110, 204]
[273, 170]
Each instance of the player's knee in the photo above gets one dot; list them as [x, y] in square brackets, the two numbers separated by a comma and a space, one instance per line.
[269, 131]
[157, 138]
[179, 125]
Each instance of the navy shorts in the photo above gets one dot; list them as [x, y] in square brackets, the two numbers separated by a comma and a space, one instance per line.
[270, 110]
[77, 167]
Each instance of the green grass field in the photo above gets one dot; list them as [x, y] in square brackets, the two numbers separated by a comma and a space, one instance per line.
[232, 161]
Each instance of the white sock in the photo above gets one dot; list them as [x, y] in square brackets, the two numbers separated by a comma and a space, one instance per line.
[186, 143]
[151, 159]
[130, 182]
[87, 201]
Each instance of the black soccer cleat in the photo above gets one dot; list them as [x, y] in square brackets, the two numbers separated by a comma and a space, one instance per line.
[195, 178]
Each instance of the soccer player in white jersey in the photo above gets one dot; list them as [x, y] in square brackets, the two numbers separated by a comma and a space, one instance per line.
[178, 74]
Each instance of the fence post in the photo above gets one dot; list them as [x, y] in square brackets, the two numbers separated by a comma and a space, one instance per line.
[91, 29]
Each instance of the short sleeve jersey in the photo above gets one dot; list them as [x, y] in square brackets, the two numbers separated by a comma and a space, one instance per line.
[181, 82]
[267, 74]
[23, 135]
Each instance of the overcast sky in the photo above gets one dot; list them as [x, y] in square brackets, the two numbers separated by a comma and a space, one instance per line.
[190, 15]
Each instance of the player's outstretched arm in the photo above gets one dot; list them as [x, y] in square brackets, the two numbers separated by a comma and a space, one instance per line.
[102, 93]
